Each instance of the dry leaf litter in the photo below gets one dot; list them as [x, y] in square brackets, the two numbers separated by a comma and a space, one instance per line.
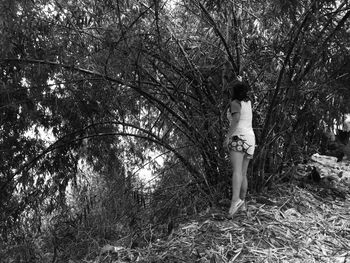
[294, 222]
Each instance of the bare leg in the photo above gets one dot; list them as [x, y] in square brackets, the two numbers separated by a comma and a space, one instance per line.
[244, 187]
[237, 165]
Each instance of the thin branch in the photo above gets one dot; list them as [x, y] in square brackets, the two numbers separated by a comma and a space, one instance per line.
[245, 10]
[156, 157]
[280, 75]
[218, 32]
[312, 62]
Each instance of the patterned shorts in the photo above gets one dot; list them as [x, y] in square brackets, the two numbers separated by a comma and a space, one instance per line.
[242, 143]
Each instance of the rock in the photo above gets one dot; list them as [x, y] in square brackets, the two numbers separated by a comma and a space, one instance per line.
[328, 166]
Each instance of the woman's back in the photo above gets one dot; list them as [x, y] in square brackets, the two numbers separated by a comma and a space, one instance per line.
[246, 117]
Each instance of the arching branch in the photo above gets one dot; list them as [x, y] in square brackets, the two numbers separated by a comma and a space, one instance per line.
[67, 140]
[152, 99]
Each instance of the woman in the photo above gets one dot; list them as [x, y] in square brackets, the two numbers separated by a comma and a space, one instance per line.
[240, 142]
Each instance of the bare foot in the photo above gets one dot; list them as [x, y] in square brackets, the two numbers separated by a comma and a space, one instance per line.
[235, 206]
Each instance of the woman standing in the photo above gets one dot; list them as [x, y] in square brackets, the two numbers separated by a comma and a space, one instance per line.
[240, 142]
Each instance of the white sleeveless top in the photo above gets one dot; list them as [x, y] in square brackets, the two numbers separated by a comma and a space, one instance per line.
[245, 121]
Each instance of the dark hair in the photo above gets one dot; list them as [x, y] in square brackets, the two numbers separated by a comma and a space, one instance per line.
[239, 90]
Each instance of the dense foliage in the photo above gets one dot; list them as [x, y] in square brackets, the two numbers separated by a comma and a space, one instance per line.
[91, 90]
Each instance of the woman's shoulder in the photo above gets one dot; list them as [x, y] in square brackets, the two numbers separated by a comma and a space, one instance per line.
[247, 101]
[235, 101]
[235, 106]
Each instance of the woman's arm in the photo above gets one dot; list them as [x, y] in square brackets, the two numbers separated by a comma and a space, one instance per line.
[234, 123]
[235, 111]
